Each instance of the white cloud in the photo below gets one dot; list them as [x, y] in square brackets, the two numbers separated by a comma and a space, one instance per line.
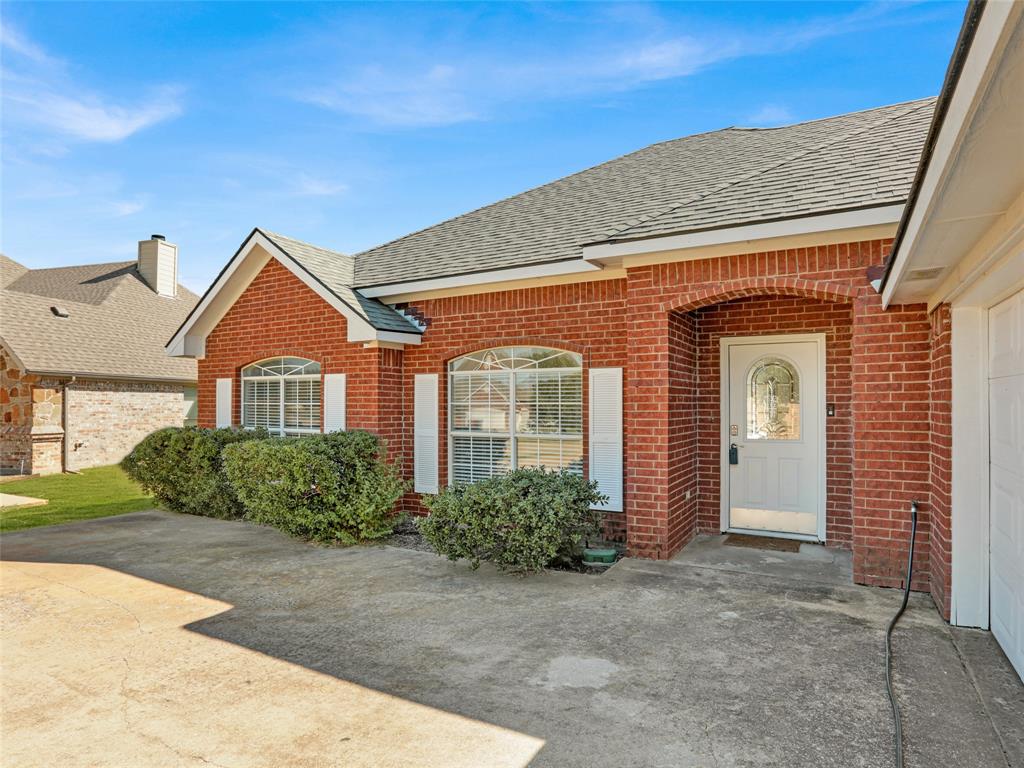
[121, 208]
[426, 81]
[37, 92]
[14, 42]
[770, 114]
[314, 187]
[434, 96]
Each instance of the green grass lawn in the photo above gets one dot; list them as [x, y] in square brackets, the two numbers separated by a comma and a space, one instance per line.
[97, 492]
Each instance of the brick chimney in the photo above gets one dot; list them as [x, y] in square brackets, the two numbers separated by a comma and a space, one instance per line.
[158, 265]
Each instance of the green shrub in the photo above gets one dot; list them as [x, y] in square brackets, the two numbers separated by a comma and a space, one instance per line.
[521, 521]
[181, 468]
[333, 487]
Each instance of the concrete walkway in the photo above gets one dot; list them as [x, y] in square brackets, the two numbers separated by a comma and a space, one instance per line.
[13, 500]
[155, 639]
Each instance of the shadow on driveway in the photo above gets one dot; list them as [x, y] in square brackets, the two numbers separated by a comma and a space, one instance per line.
[397, 657]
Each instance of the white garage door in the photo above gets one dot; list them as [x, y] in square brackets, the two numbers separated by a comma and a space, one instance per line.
[1006, 492]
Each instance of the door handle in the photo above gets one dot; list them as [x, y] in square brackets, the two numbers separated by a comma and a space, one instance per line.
[734, 454]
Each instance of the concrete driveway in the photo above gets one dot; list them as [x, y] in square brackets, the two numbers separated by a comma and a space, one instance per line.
[155, 639]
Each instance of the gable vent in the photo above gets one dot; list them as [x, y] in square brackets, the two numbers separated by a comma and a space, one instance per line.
[925, 274]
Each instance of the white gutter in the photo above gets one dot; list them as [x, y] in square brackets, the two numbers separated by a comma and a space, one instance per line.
[572, 266]
[864, 217]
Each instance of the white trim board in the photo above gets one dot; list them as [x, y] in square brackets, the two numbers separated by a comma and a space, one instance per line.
[569, 267]
[825, 229]
[724, 344]
[245, 265]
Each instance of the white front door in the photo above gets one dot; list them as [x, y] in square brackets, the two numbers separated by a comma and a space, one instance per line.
[773, 435]
[1006, 476]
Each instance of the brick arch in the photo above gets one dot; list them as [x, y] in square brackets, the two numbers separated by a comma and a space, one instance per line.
[761, 286]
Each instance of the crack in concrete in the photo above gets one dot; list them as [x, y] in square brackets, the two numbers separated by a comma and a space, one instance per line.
[969, 674]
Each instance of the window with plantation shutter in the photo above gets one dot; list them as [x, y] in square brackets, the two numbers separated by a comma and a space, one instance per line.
[606, 434]
[282, 395]
[514, 407]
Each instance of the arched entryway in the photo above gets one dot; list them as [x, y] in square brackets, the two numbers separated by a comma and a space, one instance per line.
[771, 375]
[674, 402]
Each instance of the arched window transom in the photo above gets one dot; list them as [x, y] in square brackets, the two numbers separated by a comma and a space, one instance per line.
[282, 395]
[514, 407]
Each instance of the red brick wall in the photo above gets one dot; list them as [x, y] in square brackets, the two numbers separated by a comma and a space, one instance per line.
[834, 273]
[279, 315]
[891, 439]
[685, 379]
[661, 324]
[585, 317]
[941, 459]
[773, 315]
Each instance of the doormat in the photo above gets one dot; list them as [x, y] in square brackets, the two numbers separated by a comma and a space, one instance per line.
[762, 542]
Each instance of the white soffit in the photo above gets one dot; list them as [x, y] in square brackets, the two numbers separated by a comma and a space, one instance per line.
[976, 169]
[256, 251]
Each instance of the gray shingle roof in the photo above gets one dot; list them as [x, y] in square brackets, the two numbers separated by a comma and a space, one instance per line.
[116, 325]
[707, 181]
[336, 272]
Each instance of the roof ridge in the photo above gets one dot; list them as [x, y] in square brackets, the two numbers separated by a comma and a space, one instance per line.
[81, 266]
[918, 102]
[306, 243]
[803, 152]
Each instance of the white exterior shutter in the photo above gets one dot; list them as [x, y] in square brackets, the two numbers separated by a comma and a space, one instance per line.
[334, 402]
[606, 434]
[223, 407]
[425, 433]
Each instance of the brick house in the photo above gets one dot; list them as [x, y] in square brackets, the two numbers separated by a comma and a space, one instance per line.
[83, 374]
[735, 331]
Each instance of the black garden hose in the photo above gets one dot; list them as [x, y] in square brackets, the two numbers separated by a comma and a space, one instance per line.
[888, 638]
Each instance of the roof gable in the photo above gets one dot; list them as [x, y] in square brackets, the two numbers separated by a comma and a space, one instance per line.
[327, 273]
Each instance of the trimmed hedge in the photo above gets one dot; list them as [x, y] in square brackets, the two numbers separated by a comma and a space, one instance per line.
[181, 468]
[524, 520]
[333, 487]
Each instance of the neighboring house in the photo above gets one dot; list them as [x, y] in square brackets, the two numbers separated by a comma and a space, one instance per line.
[83, 374]
[696, 325]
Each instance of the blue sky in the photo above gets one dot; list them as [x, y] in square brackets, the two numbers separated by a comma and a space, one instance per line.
[351, 124]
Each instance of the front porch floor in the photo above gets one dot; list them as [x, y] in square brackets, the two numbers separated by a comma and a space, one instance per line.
[813, 564]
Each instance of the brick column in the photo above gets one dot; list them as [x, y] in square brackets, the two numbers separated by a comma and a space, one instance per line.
[891, 466]
[659, 415]
[381, 402]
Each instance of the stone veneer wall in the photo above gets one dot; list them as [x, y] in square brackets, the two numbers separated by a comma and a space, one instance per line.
[30, 420]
